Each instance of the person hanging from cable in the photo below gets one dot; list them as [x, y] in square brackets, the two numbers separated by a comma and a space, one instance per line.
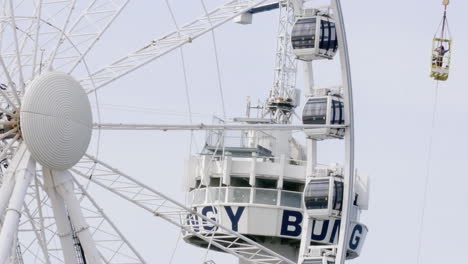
[440, 53]
[441, 49]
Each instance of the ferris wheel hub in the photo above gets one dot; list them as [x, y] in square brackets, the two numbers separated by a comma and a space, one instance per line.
[56, 120]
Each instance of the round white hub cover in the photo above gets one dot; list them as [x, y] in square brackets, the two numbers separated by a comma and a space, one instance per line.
[56, 120]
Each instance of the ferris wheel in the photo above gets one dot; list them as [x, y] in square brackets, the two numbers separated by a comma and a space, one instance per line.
[46, 120]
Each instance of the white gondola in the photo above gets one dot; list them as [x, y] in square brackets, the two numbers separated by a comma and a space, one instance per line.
[314, 38]
[324, 110]
[319, 260]
[323, 197]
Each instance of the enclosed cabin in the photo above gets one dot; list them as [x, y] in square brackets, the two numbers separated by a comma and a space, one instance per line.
[323, 197]
[319, 260]
[327, 110]
[314, 37]
[320, 255]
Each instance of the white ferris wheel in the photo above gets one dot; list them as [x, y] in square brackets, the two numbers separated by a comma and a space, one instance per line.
[46, 120]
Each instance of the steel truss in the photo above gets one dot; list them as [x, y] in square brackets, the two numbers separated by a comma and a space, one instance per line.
[43, 246]
[285, 69]
[187, 219]
[67, 44]
[183, 35]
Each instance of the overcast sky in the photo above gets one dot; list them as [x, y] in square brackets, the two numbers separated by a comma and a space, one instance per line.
[390, 47]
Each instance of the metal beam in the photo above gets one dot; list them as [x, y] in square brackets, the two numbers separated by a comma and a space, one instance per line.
[201, 126]
[190, 221]
[159, 47]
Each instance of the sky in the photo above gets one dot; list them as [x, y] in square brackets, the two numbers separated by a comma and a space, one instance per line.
[390, 47]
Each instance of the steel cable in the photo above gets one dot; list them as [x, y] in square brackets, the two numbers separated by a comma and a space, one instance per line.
[427, 176]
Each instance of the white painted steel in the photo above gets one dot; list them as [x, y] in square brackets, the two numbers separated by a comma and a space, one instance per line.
[112, 245]
[64, 186]
[17, 45]
[62, 34]
[159, 47]
[308, 78]
[56, 120]
[175, 213]
[201, 126]
[284, 80]
[23, 176]
[349, 132]
[72, 116]
[114, 236]
[8, 180]
[349, 174]
[86, 31]
[39, 238]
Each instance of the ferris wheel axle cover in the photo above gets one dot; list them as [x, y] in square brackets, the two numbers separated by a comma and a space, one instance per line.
[56, 120]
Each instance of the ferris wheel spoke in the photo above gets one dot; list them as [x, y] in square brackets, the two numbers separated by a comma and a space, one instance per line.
[38, 12]
[17, 46]
[52, 232]
[8, 147]
[202, 126]
[89, 28]
[112, 244]
[23, 249]
[11, 84]
[62, 33]
[26, 40]
[9, 133]
[8, 100]
[38, 238]
[2, 24]
[8, 112]
[48, 21]
[34, 222]
[175, 213]
[159, 47]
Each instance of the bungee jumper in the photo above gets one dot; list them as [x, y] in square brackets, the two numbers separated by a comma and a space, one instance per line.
[441, 49]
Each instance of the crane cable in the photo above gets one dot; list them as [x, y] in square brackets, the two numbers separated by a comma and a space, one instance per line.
[223, 105]
[218, 68]
[445, 29]
[428, 171]
[189, 109]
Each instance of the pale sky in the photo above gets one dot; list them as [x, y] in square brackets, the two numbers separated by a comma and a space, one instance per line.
[390, 47]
